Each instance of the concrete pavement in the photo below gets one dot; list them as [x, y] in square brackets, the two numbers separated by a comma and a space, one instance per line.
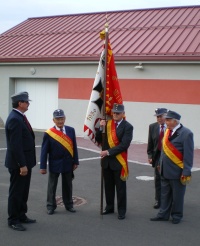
[86, 226]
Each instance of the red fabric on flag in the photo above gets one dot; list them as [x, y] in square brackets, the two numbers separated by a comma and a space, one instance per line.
[113, 93]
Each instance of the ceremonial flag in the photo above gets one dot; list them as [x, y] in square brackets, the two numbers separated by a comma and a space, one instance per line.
[113, 94]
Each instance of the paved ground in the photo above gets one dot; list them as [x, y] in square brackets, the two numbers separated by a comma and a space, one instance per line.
[87, 227]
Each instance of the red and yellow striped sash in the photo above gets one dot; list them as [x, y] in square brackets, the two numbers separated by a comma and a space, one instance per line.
[174, 154]
[62, 139]
[113, 141]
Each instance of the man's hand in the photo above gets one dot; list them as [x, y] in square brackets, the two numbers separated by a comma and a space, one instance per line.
[102, 123]
[43, 171]
[23, 171]
[104, 153]
[150, 161]
[74, 166]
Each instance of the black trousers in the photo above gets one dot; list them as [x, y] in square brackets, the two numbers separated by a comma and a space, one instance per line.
[157, 182]
[18, 195]
[157, 178]
[66, 190]
[112, 180]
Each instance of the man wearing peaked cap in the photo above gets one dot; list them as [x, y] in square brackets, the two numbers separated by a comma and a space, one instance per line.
[118, 108]
[58, 113]
[59, 149]
[115, 171]
[156, 133]
[160, 111]
[20, 159]
[172, 115]
[176, 163]
[21, 96]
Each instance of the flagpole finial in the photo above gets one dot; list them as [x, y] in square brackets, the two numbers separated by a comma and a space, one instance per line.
[106, 25]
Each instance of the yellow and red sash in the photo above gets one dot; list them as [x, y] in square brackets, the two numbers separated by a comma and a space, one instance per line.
[113, 141]
[174, 154]
[62, 139]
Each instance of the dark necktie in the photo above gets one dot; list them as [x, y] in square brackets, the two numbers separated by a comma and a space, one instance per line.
[27, 123]
[170, 133]
[161, 135]
[116, 124]
[61, 129]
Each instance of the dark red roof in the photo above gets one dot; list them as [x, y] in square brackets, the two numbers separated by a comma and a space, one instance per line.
[145, 34]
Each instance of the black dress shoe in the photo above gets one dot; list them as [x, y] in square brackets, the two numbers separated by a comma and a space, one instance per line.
[176, 221]
[158, 219]
[156, 205]
[111, 211]
[121, 217]
[72, 210]
[17, 227]
[50, 211]
[28, 221]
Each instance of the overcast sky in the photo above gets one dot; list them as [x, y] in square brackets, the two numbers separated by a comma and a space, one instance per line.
[13, 12]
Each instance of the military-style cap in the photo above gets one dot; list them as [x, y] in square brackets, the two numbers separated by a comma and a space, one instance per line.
[21, 96]
[58, 113]
[160, 111]
[118, 108]
[172, 115]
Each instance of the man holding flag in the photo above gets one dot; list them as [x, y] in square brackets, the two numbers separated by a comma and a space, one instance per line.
[106, 102]
[118, 137]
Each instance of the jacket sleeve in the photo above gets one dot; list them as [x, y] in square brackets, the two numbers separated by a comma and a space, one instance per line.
[44, 151]
[76, 160]
[188, 154]
[98, 136]
[150, 144]
[16, 141]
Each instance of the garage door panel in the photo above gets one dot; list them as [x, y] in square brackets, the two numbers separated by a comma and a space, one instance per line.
[44, 96]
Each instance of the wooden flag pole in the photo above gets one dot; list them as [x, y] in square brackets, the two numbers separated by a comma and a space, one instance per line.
[104, 111]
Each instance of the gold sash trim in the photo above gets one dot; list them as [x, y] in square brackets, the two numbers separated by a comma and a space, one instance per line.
[169, 149]
[113, 141]
[62, 139]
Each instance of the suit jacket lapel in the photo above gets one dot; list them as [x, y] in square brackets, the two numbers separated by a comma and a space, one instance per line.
[157, 130]
[175, 134]
[120, 125]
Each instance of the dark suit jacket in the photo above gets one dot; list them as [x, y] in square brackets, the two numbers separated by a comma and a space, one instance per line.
[152, 146]
[59, 159]
[182, 139]
[20, 142]
[125, 134]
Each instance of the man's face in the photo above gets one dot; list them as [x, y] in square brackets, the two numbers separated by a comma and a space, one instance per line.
[171, 123]
[59, 122]
[23, 106]
[118, 116]
[161, 119]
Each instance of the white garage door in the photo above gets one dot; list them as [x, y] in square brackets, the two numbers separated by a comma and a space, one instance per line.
[44, 96]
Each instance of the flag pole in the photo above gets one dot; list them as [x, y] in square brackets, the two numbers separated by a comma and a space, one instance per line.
[104, 110]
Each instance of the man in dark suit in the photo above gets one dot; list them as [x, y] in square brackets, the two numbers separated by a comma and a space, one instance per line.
[20, 159]
[176, 163]
[60, 149]
[118, 136]
[156, 133]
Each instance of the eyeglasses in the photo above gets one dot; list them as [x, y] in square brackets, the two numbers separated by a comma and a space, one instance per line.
[116, 113]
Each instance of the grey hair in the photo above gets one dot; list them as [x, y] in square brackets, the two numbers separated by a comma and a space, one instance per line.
[177, 121]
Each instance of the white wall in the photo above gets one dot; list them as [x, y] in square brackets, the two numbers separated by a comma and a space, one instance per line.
[138, 113]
